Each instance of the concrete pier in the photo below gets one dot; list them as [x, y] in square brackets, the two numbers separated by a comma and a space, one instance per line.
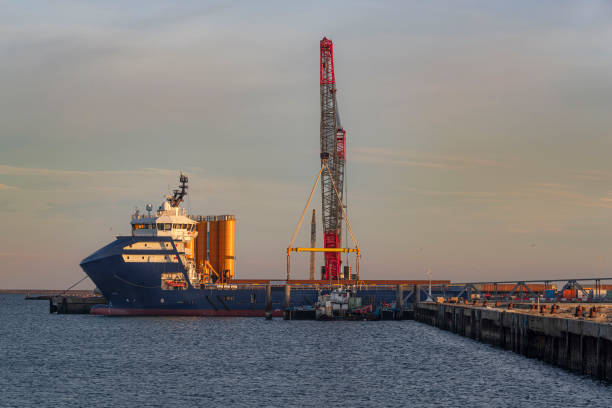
[578, 344]
[74, 304]
[287, 297]
[268, 309]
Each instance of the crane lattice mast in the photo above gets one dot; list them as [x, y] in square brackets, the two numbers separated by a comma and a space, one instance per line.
[333, 149]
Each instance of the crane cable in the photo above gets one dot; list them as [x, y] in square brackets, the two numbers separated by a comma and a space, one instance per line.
[348, 224]
[306, 208]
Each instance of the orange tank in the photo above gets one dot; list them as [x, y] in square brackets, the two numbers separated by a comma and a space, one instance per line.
[227, 246]
[201, 243]
[213, 244]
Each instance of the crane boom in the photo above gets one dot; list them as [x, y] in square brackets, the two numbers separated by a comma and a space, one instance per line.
[333, 149]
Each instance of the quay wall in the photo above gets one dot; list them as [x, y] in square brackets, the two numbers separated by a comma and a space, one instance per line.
[575, 344]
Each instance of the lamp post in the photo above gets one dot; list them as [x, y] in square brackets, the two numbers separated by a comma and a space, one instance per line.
[428, 273]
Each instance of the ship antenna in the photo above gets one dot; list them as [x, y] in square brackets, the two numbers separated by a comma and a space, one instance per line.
[178, 195]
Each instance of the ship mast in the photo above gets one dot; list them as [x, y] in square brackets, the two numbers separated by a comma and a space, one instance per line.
[178, 194]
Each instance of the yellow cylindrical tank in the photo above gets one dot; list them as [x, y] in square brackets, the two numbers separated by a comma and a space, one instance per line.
[220, 246]
[201, 243]
[227, 246]
[213, 244]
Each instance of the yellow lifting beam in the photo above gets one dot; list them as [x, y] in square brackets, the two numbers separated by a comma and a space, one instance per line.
[290, 248]
[343, 250]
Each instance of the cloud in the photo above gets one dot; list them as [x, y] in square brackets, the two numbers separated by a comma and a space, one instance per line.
[412, 158]
[21, 254]
[33, 171]
[592, 175]
[7, 187]
[552, 195]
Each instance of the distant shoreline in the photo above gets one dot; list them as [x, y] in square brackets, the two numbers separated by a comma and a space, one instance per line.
[43, 292]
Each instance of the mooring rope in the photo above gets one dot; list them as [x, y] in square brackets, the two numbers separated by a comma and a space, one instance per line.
[74, 285]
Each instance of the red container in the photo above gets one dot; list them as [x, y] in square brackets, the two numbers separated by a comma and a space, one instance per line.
[570, 293]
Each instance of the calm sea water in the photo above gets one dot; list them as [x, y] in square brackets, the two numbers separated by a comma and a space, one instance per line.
[75, 360]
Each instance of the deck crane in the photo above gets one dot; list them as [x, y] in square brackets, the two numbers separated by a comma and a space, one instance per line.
[333, 148]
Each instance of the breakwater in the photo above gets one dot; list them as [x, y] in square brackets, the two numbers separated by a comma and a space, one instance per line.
[573, 343]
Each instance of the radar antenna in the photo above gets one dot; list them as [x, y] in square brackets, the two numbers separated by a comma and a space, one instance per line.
[178, 195]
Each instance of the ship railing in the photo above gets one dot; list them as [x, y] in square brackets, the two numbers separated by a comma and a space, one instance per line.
[297, 286]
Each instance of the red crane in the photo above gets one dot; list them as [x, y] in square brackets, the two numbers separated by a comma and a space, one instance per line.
[331, 176]
[333, 150]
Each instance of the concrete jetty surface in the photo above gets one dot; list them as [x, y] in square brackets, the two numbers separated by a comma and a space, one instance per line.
[579, 344]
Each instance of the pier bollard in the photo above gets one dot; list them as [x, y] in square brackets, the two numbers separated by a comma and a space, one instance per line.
[268, 302]
[579, 311]
[287, 299]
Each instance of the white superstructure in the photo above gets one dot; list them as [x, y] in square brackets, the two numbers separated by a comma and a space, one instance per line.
[170, 220]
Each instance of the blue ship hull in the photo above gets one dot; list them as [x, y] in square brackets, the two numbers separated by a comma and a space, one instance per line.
[134, 288]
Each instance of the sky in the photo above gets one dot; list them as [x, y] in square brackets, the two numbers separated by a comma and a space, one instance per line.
[478, 131]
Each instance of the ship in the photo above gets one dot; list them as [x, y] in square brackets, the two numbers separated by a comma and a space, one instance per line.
[174, 263]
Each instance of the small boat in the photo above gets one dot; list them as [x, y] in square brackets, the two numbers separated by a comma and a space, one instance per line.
[340, 303]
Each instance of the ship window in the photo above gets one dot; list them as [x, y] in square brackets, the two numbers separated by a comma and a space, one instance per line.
[167, 227]
[253, 298]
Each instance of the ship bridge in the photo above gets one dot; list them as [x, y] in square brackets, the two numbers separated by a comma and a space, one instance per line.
[168, 221]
